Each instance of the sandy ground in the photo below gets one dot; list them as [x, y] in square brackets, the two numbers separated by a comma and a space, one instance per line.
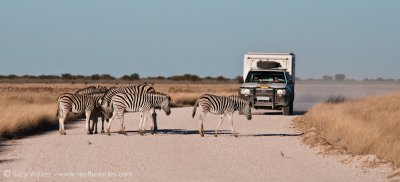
[267, 149]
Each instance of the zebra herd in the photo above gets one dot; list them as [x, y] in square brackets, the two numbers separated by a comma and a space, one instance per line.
[112, 103]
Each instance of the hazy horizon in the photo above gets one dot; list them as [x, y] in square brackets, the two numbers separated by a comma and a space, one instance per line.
[207, 38]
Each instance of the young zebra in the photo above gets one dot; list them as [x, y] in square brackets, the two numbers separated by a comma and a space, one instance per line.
[77, 103]
[106, 107]
[92, 90]
[221, 105]
[127, 102]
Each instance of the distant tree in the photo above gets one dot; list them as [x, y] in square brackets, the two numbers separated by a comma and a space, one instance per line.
[340, 77]
[106, 77]
[95, 77]
[43, 77]
[156, 77]
[133, 76]
[221, 78]
[66, 76]
[327, 78]
[12, 76]
[380, 79]
[298, 78]
[239, 79]
[28, 76]
[187, 77]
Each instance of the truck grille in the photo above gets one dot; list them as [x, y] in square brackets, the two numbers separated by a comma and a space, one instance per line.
[266, 92]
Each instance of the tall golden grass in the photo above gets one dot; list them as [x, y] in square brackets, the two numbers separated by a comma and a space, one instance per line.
[27, 108]
[363, 126]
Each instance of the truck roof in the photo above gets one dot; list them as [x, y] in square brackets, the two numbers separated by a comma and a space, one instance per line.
[270, 53]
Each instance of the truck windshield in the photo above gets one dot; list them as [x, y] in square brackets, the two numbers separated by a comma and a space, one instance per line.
[266, 77]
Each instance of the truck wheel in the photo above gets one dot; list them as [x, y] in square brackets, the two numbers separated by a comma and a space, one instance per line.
[286, 110]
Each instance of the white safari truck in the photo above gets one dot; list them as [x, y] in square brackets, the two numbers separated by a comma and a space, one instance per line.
[269, 80]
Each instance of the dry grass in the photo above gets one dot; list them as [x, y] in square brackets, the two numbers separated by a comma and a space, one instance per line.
[28, 108]
[364, 126]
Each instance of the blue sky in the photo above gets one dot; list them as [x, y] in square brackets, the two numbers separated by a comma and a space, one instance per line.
[358, 38]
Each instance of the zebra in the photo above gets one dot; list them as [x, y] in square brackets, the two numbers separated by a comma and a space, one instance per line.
[77, 103]
[106, 108]
[225, 106]
[97, 112]
[92, 90]
[144, 102]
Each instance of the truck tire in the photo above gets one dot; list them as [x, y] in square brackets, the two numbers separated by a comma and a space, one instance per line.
[286, 110]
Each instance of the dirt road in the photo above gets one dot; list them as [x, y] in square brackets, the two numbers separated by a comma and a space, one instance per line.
[267, 149]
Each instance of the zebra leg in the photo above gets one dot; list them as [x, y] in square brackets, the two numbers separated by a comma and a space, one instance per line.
[154, 116]
[230, 117]
[201, 118]
[141, 123]
[95, 121]
[145, 116]
[61, 120]
[122, 129]
[62, 115]
[152, 123]
[219, 124]
[88, 129]
[102, 123]
[115, 114]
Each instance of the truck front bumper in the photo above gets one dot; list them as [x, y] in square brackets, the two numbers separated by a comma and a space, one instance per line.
[267, 99]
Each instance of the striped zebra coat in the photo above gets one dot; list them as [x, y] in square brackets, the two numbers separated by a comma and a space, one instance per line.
[224, 106]
[127, 102]
[97, 112]
[77, 103]
[134, 89]
[106, 107]
[92, 90]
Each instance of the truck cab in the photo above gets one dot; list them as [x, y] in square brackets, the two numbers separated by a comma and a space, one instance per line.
[269, 81]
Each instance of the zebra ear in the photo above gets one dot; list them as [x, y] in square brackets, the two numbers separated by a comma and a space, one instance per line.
[99, 101]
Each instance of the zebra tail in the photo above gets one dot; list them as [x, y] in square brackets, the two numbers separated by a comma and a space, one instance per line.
[58, 109]
[194, 108]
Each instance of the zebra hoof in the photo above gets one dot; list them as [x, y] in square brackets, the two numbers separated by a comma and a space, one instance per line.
[62, 133]
[102, 131]
[202, 134]
[215, 135]
[121, 132]
[95, 132]
[235, 135]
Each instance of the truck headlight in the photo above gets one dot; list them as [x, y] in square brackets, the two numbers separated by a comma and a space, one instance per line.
[281, 91]
[244, 91]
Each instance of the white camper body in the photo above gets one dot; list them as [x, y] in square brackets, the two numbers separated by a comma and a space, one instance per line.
[286, 62]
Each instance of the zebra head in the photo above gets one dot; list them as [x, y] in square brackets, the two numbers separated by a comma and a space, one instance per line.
[166, 105]
[247, 109]
[162, 101]
[243, 105]
[101, 89]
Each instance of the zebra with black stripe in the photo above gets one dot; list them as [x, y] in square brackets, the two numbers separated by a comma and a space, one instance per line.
[106, 107]
[77, 103]
[92, 90]
[97, 112]
[225, 106]
[144, 103]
